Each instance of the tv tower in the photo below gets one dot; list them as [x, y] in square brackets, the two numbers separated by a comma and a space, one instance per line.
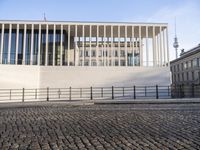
[176, 45]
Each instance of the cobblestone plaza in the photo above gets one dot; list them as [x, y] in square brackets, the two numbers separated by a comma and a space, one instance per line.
[139, 126]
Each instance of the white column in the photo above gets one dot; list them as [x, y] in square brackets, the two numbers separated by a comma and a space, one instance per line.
[76, 59]
[147, 46]
[39, 43]
[17, 44]
[112, 54]
[167, 46]
[154, 47]
[32, 40]
[47, 44]
[104, 44]
[90, 61]
[161, 49]
[108, 50]
[126, 50]
[97, 49]
[164, 47]
[2, 44]
[68, 49]
[83, 45]
[140, 43]
[133, 45]
[24, 45]
[61, 46]
[158, 49]
[9, 42]
[119, 60]
[54, 43]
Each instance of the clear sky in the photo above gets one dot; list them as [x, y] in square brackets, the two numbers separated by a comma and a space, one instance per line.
[187, 13]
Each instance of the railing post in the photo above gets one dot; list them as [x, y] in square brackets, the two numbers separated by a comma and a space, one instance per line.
[112, 92]
[180, 91]
[91, 96]
[134, 93]
[59, 93]
[145, 91]
[157, 92]
[10, 94]
[80, 92]
[193, 90]
[70, 93]
[35, 93]
[168, 90]
[101, 92]
[23, 95]
[47, 93]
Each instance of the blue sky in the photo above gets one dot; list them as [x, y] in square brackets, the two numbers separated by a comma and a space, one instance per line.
[187, 13]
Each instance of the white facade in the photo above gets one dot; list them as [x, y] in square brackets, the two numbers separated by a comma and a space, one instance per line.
[60, 54]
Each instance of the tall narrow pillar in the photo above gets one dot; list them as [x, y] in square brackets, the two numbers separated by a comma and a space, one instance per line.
[54, 43]
[32, 40]
[24, 46]
[161, 49]
[167, 46]
[39, 44]
[133, 46]
[119, 47]
[112, 51]
[147, 46]
[104, 44]
[61, 46]
[126, 50]
[97, 48]
[68, 49]
[9, 42]
[76, 58]
[164, 46]
[154, 47]
[140, 43]
[90, 39]
[83, 45]
[2, 44]
[17, 45]
[47, 45]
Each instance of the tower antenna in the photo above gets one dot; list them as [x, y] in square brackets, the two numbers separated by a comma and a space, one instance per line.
[175, 45]
[45, 17]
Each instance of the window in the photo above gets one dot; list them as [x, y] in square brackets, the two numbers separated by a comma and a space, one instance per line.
[178, 67]
[93, 53]
[116, 63]
[192, 64]
[122, 53]
[116, 53]
[189, 64]
[187, 76]
[192, 75]
[198, 62]
[178, 77]
[186, 65]
[182, 67]
[195, 62]
[182, 76]
[86, 54]
[174, 68]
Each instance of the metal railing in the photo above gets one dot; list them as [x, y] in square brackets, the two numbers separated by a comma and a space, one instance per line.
[90, 93]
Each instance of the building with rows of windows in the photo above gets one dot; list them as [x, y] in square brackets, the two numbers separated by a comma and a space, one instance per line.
[52, 53]
[186, 71]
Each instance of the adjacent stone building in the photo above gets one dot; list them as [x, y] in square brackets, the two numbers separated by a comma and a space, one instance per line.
[185, 73]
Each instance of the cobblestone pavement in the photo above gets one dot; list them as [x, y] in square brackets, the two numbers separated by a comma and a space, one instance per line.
[96, 127]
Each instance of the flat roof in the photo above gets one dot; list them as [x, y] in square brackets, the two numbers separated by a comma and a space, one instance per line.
[84, 22]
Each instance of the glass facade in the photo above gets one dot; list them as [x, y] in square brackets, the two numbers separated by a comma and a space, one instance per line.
[104, 50]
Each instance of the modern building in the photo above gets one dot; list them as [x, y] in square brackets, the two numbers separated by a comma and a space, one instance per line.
[185, 73]
[52, 53]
